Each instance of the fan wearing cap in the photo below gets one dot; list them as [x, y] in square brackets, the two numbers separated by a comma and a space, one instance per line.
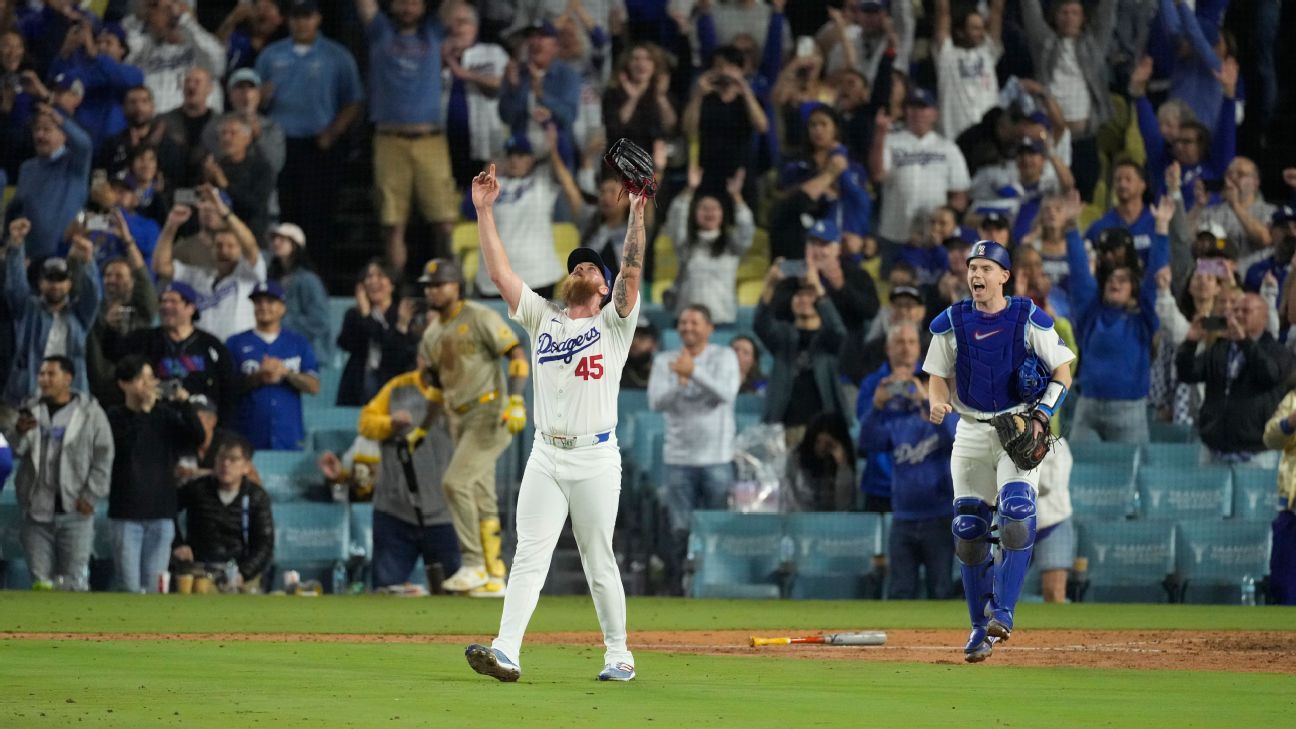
[181, 355]
[541, 90]
[1277, 263]
[304, 291]
[54, 321]
[917, 167]
[966, 48]
[578, 352]
[1018, 189]
[243, 91]
[277, 366]
[992, 354]
[461, 349]
[95, 62]
[1129, 186]
[523, 215]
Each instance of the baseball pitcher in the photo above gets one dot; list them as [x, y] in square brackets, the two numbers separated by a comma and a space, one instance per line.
[1006, 369]
[577, 354]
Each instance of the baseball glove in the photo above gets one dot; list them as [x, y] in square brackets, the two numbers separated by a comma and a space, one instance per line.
[1017, 434]
[634, 165]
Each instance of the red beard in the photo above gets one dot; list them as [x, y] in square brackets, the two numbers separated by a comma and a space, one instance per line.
[579, 291]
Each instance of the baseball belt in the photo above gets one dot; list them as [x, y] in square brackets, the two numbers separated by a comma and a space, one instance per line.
[568, 442]
[491, 396]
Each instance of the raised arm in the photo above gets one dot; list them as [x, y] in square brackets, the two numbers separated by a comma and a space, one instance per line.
[994, 27]
[941, 25]
[562, 174]
[247, 241]
[485, 190]
[163, 262]
[625, 292]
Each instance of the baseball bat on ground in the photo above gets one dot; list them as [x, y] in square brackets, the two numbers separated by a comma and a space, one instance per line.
[873, 637]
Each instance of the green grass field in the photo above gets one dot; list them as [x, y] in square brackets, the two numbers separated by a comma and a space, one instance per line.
[233, 684]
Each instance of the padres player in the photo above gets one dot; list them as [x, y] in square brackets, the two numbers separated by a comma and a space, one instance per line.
[575, 468]
[980, 348]
[462, 346]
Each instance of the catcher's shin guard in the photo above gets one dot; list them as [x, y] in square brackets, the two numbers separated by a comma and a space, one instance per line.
[491, 546]
[971, 527]
[1016, 539]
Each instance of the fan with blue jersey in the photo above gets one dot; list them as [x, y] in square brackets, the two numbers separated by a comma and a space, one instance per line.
[994, 359]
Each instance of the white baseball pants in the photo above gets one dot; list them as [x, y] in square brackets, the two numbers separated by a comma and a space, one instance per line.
[585, 483]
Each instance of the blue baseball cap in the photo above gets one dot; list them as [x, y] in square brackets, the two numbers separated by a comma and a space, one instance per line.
[269, 288]
[518, 144]
[990, 251]
[588, 255]
[825, 230]
[920, 97]
[1031, 144]
[1283, 214]
[185, 291]
[68, 81]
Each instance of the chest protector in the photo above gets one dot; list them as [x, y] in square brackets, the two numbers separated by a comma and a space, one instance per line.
[991, 347]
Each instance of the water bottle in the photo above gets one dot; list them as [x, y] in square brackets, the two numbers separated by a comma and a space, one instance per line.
[231, 576]
[339, 578]
[1248, 590]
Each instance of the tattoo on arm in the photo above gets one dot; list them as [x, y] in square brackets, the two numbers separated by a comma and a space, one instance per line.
[619, 297]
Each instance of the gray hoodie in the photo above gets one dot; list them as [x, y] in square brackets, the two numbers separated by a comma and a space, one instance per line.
[85, 466]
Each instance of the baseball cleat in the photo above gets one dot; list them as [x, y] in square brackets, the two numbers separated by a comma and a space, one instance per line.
[1000, 626]
[465, 579]
[494, 587]
[492, 662]
[979, 646]
[617, 672]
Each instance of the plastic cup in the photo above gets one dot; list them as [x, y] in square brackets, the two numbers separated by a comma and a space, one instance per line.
[184, 583]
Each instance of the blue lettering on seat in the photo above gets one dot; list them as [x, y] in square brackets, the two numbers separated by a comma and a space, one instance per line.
[547, 350]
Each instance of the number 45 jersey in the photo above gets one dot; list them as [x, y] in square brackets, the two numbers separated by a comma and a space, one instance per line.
[575, 364]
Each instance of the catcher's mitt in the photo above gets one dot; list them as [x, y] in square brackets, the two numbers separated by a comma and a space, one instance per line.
[634, 165]
[1017, 434]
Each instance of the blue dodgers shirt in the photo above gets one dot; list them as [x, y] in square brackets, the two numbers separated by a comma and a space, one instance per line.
[310, 89]
[404, 73]
[271, 415]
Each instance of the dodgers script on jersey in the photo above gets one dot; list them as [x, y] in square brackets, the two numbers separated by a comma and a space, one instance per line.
[576, 364]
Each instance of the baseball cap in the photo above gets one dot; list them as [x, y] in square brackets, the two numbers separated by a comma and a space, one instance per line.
[1283, 214]
[1113, 238]
[122, 179]
[588, 255]
[518, 144]
[909, 291]
[439, 271]
[994, 219]
[1041, 119]
[919, 96]
[990, 251]
[54, 269]
[1031, 144]
[185, 291]
[824, 230]
[269, 288]
[867, 5]
[244, 76]
[69, 82]
[302, 7]
[291, 231]
[117, 31]
[202, 403]
[544, 28]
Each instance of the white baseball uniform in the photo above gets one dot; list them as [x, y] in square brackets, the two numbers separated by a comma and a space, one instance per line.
[575, 465]
[979, 465]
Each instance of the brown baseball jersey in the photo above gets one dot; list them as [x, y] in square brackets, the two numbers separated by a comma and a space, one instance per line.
[464, 352]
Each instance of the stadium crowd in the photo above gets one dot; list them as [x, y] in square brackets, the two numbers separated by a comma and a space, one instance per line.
[173, 172]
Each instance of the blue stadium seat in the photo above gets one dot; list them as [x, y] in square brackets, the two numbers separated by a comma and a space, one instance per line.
[310, 538]
[1160, 432]
[1185, 492]
[1168, 455]
[745, 318]
[649, 435]
[1213, 556]
[9, 493]
[749, 405]
[834, 553]
[338, 440]
[287, 475]
[1102, 490]
[735, 555]
[743, 421]
[1128, 560]
[670, 339]
[1109, 454]
[10, 526]
[321, 417]
[1255, 493]
[659, 316]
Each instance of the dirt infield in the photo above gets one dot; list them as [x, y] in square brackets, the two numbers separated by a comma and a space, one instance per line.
[1238, 651]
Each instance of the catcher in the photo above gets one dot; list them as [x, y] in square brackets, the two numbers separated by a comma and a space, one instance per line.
[998, 362]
